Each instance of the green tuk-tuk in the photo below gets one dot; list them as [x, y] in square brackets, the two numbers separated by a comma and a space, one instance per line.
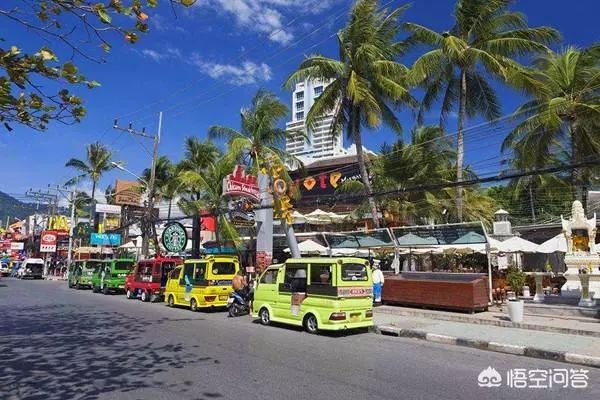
[110, 276]
[81, 272]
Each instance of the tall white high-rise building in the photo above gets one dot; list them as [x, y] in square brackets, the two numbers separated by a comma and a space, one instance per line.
[318, 142]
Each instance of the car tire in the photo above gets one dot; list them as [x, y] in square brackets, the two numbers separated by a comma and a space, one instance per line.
[310, 324]
[265, 316]
[94, 289]
[77, 286]
[171, 301]
[193, 305]
[129, 294]
[106, 290]
[145, 296]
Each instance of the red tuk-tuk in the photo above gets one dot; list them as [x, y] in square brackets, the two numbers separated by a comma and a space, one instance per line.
[148, 278]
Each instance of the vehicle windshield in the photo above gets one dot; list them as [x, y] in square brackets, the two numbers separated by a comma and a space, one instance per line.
[123, 265]
[354, 272]
[35, 267]
[90, 266]
[223, 268]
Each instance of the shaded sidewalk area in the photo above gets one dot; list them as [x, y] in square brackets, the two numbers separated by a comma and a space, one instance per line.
[574, 340]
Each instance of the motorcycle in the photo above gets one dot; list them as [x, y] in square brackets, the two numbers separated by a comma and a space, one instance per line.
[238, 305]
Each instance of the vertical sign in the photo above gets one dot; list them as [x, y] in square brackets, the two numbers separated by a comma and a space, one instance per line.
[48, 242]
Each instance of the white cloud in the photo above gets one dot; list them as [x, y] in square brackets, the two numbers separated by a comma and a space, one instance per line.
[268, 16]
[245, 73]
[158, 56]
[155, 55]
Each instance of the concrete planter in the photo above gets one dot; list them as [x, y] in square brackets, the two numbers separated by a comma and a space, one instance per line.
[515, 310]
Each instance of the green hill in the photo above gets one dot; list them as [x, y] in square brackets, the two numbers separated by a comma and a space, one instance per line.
[13, 208]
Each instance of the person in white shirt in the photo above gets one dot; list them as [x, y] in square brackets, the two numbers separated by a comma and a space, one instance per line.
[378, 280]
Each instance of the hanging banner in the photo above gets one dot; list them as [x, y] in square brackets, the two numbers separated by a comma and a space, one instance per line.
[48, 242]
[240, 184]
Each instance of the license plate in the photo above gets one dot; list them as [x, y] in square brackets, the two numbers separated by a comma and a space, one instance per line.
[225, 298]
[121, 286]
[354, 317]
[230, 300]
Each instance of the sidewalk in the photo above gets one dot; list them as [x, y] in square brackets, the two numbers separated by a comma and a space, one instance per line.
[482, 332]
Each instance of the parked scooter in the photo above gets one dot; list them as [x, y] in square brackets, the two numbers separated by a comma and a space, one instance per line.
[239, 304]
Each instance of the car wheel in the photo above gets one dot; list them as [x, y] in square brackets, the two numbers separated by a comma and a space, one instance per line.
[77, 286]
[145, 296]
[310, 324]
[106, 290]
[265, 317]
[193, 305]
[129, 294]
[171, 301]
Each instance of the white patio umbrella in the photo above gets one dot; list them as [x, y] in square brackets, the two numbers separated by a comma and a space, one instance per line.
[298, 217]
[518, 245]
[349, 252]
[557, 243]
[129, 245]
[318, 217]
[310, 247]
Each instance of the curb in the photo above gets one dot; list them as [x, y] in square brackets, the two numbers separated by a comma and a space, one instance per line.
[481, 321]
[534, 352]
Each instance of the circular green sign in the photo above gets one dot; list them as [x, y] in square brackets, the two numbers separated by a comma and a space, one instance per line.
[174, 237]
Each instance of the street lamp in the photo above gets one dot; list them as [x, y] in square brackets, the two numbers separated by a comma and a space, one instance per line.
[122, 168]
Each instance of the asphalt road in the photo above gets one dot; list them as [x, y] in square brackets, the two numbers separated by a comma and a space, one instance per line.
[59, 343]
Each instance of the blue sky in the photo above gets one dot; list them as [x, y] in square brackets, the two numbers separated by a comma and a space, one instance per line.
[203, 65]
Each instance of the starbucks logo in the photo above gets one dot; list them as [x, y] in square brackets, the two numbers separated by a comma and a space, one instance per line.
[174, 237]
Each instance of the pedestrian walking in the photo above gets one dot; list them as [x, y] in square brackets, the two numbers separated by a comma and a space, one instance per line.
[378, 280]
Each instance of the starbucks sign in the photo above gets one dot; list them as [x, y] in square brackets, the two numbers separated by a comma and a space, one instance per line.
[174, 237]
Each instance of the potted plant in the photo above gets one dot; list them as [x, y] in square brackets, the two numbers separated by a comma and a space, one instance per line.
[516, 279]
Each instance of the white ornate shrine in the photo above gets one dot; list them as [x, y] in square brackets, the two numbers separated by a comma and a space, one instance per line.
[582, 259]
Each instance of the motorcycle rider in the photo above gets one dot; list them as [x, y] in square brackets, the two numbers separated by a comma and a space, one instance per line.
[240, 284]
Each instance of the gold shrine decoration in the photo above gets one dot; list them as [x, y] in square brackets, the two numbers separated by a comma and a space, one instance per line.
[282, 206]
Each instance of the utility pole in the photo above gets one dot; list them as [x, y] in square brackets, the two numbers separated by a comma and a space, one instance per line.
[148, 226]
[71, 200]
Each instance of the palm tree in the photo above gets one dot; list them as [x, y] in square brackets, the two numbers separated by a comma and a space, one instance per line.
[166, 182]
[259, 139]
[429, 159]
[366, 83]
[563, 111]
[99, 161]
[483, 42]
[208, 187]
[198, 156]
[82, 202]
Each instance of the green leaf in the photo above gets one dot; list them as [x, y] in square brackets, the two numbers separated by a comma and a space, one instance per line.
[104, 17]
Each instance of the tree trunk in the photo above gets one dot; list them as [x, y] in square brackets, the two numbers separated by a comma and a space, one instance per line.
[217, 236]
[460, 145]
[576, 190]
[356, 137]
[531, 204]
[93, 207]
[169, 212]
